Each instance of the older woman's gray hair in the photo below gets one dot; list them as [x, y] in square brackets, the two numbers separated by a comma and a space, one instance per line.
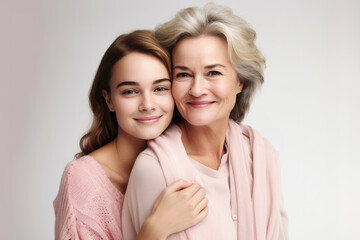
[217, 20]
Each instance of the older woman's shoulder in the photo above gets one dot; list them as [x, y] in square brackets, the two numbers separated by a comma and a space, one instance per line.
[253, 136]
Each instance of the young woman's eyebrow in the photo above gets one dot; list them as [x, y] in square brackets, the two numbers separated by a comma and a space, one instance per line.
[130, 83]
[127, 83]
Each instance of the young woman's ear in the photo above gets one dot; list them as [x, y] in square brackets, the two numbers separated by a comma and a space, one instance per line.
[108, 100]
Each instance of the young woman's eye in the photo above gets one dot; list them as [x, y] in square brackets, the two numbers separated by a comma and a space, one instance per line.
[182, 75]
[214, 73]
[128, 92]
[161, 89]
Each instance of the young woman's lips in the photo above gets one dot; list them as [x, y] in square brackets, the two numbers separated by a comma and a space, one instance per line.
[148, 120]
[200, 104]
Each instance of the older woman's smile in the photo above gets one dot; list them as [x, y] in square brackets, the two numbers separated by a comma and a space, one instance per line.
[200, 104]
[204, 79]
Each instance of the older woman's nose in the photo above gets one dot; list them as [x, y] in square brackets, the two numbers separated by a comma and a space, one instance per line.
[198, 87]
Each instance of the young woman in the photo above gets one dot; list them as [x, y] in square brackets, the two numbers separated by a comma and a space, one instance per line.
[216, 69]
[131, 101]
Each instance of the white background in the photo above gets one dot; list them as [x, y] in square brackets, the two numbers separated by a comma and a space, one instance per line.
[308, 106]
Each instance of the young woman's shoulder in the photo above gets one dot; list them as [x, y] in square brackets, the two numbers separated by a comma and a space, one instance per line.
[81, 170]
[80, 167]
[80, 179]
[84, 179]
[86, 204]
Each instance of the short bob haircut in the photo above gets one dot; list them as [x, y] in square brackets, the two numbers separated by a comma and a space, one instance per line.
[104, 127]
[220, 21]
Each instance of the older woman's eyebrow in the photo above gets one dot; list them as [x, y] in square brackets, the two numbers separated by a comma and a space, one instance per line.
[214, 66]
[181, 67]
[207, 66]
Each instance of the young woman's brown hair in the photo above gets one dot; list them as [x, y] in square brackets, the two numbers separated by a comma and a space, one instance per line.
[104, 127]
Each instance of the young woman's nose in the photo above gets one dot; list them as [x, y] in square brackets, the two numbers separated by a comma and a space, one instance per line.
[146, 104]
[197, 87]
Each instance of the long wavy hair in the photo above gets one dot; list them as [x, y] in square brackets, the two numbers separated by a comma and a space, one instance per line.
[104, 127]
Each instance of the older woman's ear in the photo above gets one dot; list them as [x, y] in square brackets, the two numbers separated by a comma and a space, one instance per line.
[239, 86]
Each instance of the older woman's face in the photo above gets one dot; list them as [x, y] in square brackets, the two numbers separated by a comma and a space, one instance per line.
[205, 83]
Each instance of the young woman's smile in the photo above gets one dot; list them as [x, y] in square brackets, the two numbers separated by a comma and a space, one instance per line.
[141, 95]
[148, 120]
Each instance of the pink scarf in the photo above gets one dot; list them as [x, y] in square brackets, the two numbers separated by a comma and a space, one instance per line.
[254, 186]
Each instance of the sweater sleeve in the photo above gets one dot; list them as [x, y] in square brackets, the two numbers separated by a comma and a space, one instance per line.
[146, 182]
[77, 206]
[65, 220]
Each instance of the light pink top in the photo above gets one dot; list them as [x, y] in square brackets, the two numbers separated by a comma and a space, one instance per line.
[88, 206]
[218, 194]
[255, 203]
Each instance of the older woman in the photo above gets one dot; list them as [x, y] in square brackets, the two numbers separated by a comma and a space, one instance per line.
[216, 70]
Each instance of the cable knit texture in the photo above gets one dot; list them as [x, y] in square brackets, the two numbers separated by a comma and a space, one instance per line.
[88, 206]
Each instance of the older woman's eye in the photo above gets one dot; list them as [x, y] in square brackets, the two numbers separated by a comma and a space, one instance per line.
[182, 75]
[214, 73]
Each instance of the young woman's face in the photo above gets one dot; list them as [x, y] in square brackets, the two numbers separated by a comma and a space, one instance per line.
[140, 95]
[205, 83]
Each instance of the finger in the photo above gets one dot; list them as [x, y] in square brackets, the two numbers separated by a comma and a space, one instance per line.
[201, 205]
[178, 185]
[203, 213]
[198, 196]
[174, 187]
[191, 190]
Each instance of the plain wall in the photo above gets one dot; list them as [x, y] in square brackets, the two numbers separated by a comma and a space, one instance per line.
[308, 106]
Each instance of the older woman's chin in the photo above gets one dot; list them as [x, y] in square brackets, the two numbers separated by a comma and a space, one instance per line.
[203, 119]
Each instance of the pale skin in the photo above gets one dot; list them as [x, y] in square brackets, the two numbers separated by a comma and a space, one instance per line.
[141, 99]
[205, 85]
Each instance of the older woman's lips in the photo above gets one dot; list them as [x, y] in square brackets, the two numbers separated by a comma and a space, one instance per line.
[148, 120]
[200, 104]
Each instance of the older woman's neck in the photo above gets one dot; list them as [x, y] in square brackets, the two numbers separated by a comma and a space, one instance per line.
[204, 144]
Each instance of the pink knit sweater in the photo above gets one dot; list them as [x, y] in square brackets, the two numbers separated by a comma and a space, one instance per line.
[88, 206]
